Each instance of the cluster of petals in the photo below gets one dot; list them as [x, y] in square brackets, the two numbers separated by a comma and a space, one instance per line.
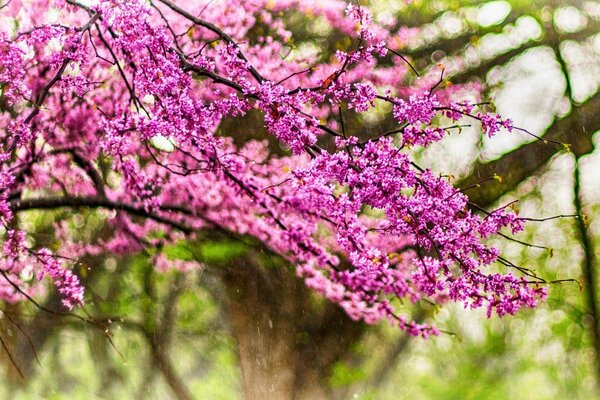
[150, 112]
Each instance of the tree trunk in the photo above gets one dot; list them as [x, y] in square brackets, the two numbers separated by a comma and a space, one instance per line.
[23, 343]
[287, 339]
[588, 270]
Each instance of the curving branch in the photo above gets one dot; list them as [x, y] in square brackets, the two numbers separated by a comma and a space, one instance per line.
[98, 202]
[218, 31]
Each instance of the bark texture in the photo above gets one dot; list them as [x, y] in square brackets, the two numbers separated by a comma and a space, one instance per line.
[288, 340]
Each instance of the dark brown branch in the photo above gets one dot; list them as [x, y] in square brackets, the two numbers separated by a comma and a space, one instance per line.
[46, 89]
[95, 202]
[11, 358]
[213, 28]
[90, 170]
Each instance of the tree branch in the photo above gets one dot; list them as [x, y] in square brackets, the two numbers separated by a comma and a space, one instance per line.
[213, 28]
[95, 202]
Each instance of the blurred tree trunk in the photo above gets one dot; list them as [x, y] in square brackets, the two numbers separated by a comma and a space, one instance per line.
[9, 334]
[30, 337]
[590, 280]
[29, 331]
[288, 341]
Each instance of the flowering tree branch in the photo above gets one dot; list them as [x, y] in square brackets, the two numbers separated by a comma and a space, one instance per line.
[141, 107]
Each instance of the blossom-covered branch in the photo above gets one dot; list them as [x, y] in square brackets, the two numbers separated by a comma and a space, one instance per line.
[129, 107]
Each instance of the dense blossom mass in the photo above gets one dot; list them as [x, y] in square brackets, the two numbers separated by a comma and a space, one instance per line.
[139, 109]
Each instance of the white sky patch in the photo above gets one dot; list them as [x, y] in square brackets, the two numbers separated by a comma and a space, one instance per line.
[162, 143]
[493, 13]
[532, 87]
[53, 16]
[528, 28]
[89, 3]
[451, 23]
[148, 99]
[320, 26]
[592, 9]
[569, 19]
[385, 18]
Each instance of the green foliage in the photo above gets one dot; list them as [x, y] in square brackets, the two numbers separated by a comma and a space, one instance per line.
[220, 252]
[346, 375]
[179, 251]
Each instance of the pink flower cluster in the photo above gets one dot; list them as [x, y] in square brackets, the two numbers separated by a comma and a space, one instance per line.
[66, 282]
[128, 107]
[19, 261]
